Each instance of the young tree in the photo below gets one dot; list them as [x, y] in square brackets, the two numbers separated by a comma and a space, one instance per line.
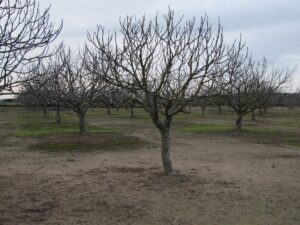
[164, 63]
[219, 101]
[79, 88]
[290, 100]
[35, 94]
[252, 86]
[53, 70]
[203, 103]
[26, 33]
[45, 87]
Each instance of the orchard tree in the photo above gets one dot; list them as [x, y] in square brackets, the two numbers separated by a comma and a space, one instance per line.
[52, 69]
[78, 87]
[252, 85]
[203, 103]
[219, 99]
[34, 93]
[44, 89]
[26, 33]
[164, 63]
[290, 100]
[28, 96]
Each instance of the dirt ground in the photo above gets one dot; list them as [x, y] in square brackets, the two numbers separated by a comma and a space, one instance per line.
[219, 180]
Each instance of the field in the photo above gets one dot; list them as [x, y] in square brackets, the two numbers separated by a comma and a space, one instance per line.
[113, 175]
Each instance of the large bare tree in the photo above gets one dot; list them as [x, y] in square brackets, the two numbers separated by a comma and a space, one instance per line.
[26, 32]
[164, 62]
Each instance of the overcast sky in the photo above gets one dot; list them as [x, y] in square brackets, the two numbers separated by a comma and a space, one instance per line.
[270, 28]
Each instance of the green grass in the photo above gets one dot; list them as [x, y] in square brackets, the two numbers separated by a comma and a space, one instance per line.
[263, 135]
[36, 117]
[198, 128]
[139, 114]
[271, 136]
[278, 125]
[294, 142]
[65, 136]
[86, 143]
[32, 125]
[260, 130]
[55, 129]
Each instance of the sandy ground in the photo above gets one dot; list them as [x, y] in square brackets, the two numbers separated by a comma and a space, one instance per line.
[220, 180]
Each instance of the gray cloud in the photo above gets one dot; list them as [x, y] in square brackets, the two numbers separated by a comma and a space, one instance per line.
[269, 27]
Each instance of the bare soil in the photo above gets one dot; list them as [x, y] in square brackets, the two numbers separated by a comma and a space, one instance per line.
[219, 180]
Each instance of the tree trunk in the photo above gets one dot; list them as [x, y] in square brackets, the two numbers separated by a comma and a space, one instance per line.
[131, 111]
[82, 128]
[261, 112]
[238, 123]
[219, 108]
[58, 117]
[203, 111]
[265, 110]
[108, 110]
[45, 112]
[165, 151]
[253, 115]
[164, 129]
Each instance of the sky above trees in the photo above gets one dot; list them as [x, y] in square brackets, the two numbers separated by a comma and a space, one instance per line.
[270, 28]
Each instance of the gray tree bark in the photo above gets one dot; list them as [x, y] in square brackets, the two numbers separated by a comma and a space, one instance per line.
[82, 127]
[253, 115]
[108, 110]
[131, 111]
[238, 123]
[219, 108]
[265, 110]
[165, 151]
[203, 111]
[45, 112]
[58, 116]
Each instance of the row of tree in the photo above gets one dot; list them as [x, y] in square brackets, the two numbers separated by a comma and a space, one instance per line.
[290, 100]
[163, 64]
[64, 81]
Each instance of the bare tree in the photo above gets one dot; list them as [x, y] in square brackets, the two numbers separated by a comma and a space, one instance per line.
[252, 85]
[45, 86]
[26, 32]
[165, 63]
[52, 70]
[34, 93]
[290, 100]
[203, 103]
[253, 115]
[78, 87]
[219, 101]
